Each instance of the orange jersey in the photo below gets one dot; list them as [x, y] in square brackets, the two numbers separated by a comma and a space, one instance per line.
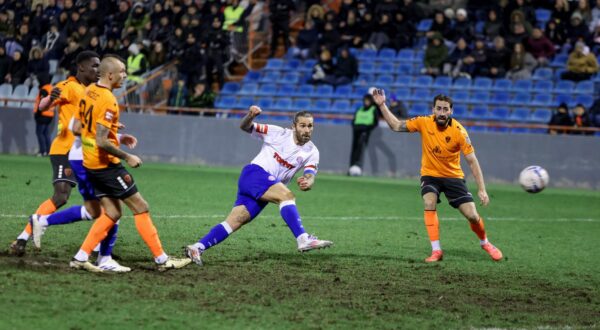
[71, 91]
[441, 147]
[98, 107]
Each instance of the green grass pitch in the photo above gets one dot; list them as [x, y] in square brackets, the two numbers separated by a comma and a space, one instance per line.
[374, 276]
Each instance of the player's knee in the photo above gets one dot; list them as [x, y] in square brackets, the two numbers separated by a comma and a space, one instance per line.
[287, 196]
[430, 204]
[473, 217]
[60, 198]
[93, 212]
[115, 215]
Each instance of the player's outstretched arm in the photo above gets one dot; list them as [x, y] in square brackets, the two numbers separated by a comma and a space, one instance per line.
[478, 174]
[103, 142]
[47, 101]
[392, 121]
[306, 181]
[248, 120]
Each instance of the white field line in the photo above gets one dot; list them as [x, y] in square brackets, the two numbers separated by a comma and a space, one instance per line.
[370, 218]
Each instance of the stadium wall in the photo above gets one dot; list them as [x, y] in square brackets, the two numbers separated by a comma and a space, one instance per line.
[572, 161]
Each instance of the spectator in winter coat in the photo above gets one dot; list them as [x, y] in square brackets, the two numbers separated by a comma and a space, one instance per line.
[540, 47]
[581, 119]
[498, 59]
[435, 55]
[560, 117]
[581, 65]
[522, 63]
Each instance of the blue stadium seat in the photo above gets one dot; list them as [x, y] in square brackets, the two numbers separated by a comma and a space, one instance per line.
[420, 95]
[403, 81]
[252, 77]
[289, 78]
[499, 114]
[225, 102]
[286, 90]
[266, 103]
[564, 87]
[249, 89]
[423, 81]
[404, 69]
[386, 54]
[558, 73]
[321, 105]
[501, 98]
[405, 55]
[521, 86]
[482, 84]
[366, 54]
[342, 106]
[274, 64]
[479, 112]
[301, 104]
[462, 84]
[479, 26]
[343, 91]
[543, 86]
[419, 55]
[307, 65]
[480, 98]
[520, 99]
[230, 87]
[366, 67]
[502, 85]
[358, 93]
[244, 102]
[402, 94]
[542, 100]
[419, 109]
[356, 104]
[442, 82]
[460, 97]
[283, 104]
[541, 116]
[363, 80]
[305, 90]
[267, 90]
[585, 87]
[542, 74]
[563, 98]
[542, 16]
[291, 65]
[585, 99]
[6, 90]
[323, 91]
[270, 77]
[559, 61]
[385, 67]
[424, 25]
[520, 115]
[384, 80]
[460, 111]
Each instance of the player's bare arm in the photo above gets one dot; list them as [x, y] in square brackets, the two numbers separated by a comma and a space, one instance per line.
[104, 143]
[76, 127]
[47, 101]
[478, 174]
[248, 120]
[306, 181]
[395, 124]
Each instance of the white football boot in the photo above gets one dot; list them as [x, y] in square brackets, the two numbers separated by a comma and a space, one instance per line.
[308, 242]
[37, 230]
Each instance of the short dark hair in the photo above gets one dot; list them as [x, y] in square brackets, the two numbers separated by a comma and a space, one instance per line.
[85, 55]
[444, 98]
[302, 114]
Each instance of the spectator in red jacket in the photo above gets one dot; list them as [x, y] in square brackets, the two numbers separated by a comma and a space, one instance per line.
[540, 47]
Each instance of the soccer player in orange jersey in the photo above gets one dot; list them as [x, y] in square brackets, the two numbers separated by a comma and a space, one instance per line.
[443, 139]
[66, 95]
[99, 115]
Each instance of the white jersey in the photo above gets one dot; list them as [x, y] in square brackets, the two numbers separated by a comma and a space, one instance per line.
[280, 156]
[76, 152]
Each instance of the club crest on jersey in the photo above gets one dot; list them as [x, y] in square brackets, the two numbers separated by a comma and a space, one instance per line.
[299, 160]
[447, 139]
[271, 178]
[127, 178]
[68, 172]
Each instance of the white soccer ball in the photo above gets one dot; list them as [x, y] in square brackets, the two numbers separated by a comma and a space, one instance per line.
[355, 171]
[534, 179]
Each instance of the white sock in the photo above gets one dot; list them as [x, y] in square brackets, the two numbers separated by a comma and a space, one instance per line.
[97, 248]
[161, 259]
[24, 235]
[102, 259]
[435, 245]
[85, 215]
[301, 238]
[483, 241]
[81, 256]
[43, 220]
[200, 246]
[227, 227]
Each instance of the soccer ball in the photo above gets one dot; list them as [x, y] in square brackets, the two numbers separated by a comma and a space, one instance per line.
[534, 179]
[355, 171]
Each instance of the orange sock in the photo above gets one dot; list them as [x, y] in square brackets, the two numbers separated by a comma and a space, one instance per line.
[432, 224]
[478, 229]
[97, 233]
[47, 207]
[148, 232]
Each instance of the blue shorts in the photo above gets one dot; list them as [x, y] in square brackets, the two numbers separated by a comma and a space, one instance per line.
[83, 183]
[252, 184]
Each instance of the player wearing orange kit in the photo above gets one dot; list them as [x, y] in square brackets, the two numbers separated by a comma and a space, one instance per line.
[443, 139]
[99, 114]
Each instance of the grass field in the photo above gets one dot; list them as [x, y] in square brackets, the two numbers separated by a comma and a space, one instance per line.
[374, 276]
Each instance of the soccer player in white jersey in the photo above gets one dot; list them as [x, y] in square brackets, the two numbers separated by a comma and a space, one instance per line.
[284, 152]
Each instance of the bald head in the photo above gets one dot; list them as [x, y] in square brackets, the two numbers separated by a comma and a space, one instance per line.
[112, 71]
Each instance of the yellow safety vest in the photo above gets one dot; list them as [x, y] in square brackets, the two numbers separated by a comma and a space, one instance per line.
[134, 63]
[231, 16]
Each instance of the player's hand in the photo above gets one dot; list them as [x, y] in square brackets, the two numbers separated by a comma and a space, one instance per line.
[129, 140]
[120, 125]
[483, 197]
[304, 183]
[254, 110]
[379, 96]
[54, 94]
[134, 161]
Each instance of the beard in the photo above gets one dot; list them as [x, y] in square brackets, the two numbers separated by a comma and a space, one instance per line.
[302, 138]
[442, 120]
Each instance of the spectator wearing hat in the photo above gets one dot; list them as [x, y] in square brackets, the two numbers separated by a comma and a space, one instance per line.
[463, 28]
[560, 117]
[581, 65]
[435, 55]
[365, 120]
[577, 30]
